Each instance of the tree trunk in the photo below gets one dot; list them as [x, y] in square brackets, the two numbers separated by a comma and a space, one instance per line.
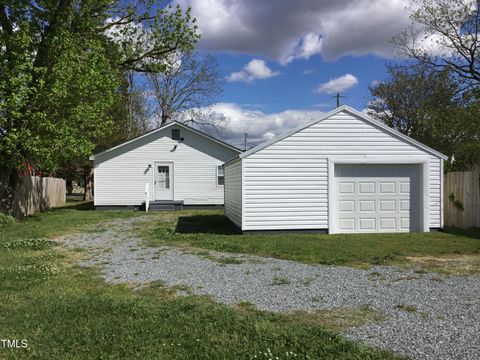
[88, 183]
[165, 118]
[8, 185]
[69, 186]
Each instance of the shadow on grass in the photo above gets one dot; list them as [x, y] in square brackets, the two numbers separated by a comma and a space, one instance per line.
[471, 232]
[205, 224]
[78, 205]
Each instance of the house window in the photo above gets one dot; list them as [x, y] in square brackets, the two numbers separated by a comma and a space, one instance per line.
[175, 134]
[220, 176]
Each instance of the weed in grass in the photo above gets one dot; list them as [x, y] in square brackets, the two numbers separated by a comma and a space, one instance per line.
[375, 276]
[246, 305]
[407, 308]
[33, 244]
[317, 299]
[308, 281]
[406, 278]
[95, 230]
[225, 260]
[201, 253]
[281, 280]
[424, 315]
[183, 288]
[108, 250]
[78, 249]
[420, 271]
[383, 259]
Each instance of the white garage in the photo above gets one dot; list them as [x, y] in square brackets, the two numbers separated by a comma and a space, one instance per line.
[342, 173]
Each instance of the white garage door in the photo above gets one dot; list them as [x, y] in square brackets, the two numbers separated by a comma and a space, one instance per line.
[377, 198]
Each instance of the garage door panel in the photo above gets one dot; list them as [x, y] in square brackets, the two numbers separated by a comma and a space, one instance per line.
[387, 187]
[347, 224]
[346, 205]
[376, 203]
[388, 224]
[404, 205]
[405, 223]
[366, 188]
[405, 187]
[366, 205]
[346, 187]
[368, 224]
[387, 205]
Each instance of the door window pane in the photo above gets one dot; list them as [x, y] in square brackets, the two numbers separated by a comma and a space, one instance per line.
[163, 177]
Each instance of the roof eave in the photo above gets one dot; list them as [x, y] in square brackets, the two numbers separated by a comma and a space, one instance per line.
[354, 112]
[163, 128]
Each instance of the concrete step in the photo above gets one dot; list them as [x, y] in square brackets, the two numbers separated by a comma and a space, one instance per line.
[164, 205]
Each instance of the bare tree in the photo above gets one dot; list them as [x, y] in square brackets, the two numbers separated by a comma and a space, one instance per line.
[137, 107]
[189, 84]
[444, 35]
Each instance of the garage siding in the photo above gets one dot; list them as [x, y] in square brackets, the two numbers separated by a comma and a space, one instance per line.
[233, 192]
[120, 175]
[286, 183]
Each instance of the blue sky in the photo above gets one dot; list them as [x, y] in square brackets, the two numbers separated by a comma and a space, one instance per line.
[295, 86]
[283, 60]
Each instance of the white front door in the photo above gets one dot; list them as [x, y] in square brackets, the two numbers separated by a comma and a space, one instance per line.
[377, 198]
[163, 181]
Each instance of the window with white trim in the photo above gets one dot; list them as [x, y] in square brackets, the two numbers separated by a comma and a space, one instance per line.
[220, 176]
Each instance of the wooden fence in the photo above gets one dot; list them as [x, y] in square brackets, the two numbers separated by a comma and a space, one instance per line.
[35, 193]
[462, 198]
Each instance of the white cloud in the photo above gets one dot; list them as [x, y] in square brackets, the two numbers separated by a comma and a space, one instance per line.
[259, 126]
[254, 70]
[285, 30]
[339, 84]
[310, 44]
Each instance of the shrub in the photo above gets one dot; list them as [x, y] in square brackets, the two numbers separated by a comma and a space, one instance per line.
[6, 219]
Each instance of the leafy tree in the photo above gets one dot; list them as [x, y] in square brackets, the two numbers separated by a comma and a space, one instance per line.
[431, 107]
[444, 35]
[188, 83]
[61, 64]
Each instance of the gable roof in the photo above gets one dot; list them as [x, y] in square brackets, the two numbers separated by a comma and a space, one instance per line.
[150, 133]
[354, 112]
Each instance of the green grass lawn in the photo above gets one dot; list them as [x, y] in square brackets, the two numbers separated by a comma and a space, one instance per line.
[67, 312]
[211, 230]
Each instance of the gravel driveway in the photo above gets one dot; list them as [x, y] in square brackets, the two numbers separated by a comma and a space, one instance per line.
[429, 316]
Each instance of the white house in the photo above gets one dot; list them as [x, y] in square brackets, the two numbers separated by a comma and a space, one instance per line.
[344, 172]
[174, 164]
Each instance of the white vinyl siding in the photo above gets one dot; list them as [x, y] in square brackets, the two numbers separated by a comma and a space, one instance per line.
[233, 192]
[121, 174]
[286, 183]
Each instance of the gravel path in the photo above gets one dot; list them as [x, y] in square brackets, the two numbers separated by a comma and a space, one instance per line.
[443, 321]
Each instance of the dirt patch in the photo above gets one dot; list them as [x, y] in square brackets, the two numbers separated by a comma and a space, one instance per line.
[450, 264]
[341, 318]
